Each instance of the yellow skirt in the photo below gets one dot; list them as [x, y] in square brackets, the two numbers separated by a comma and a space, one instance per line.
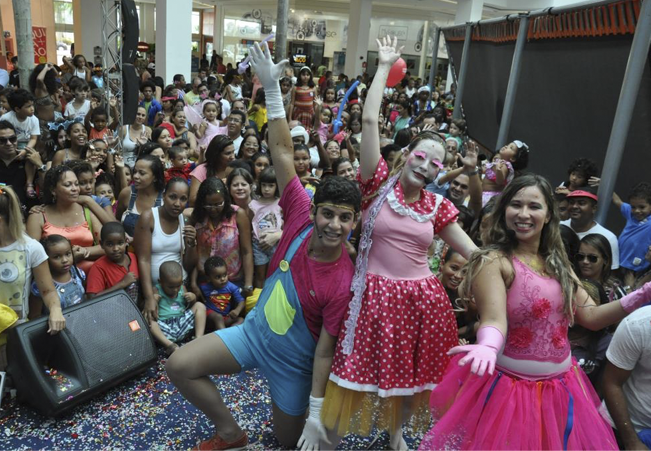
[353, 412]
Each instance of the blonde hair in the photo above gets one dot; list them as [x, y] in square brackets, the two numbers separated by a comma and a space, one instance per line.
[499, 240]
[10, 211]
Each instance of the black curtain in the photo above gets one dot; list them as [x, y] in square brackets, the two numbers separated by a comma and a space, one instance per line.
[565, 105]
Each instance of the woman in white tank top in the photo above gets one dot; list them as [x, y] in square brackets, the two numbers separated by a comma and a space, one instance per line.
[133, 136]
[161, 235]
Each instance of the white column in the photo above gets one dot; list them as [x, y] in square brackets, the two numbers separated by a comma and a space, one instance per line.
[91, 29]
[147, 24]
[359, 27]
[424, 51]
[467, 11]
[173, 38]
[218, 29]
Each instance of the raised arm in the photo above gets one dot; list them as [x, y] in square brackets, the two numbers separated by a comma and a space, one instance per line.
[370, 145]
[280, 140]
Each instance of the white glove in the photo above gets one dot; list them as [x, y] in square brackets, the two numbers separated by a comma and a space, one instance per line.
[269, 73]
[314, 431]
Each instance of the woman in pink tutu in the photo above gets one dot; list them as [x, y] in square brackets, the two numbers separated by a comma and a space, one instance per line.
[392, 349]
[518, 387]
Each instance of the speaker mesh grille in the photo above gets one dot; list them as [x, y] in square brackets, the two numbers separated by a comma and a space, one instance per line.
[109, 347]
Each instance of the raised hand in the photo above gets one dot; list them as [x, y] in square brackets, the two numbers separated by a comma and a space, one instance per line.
[470, 160]
[388, 53]
[267, 71]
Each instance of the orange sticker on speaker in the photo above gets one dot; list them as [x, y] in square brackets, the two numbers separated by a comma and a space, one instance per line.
[134, 325]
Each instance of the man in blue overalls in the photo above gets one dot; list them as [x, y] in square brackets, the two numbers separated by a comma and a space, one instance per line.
[292, 332]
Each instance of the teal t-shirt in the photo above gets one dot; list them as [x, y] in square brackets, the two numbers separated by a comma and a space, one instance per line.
[168, 307]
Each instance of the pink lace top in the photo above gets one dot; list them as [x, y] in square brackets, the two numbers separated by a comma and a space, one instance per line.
[492, 176]
[536, 340]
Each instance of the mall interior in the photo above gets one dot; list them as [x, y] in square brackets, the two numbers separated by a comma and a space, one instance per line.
[338, 34]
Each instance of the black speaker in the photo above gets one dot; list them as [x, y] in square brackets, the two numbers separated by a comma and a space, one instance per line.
[130, 93]
[130, 31]
[106, 341]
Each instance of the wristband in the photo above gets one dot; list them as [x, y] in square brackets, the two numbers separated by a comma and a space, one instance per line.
[274, 102]
[315, 407]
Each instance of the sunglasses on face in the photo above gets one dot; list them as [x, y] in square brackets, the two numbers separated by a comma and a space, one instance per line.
[214, 207]
[9, 139]
[591, 257]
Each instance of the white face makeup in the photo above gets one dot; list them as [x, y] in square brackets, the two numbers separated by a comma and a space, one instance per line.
[423, 163]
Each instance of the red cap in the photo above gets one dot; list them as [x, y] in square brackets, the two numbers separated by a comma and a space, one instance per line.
[581, 193]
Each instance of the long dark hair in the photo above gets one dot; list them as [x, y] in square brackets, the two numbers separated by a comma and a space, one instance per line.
[214, 152]
[602, 245]
[499, 239]
[157, 169]
[212, 185]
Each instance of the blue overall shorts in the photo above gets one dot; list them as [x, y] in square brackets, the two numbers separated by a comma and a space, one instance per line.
[275, 338]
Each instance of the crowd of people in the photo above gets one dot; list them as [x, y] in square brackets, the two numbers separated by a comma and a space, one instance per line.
[362, 251]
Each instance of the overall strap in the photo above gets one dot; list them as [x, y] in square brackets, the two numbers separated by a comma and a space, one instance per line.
[293, 247]
[132, 199]
[159, 200]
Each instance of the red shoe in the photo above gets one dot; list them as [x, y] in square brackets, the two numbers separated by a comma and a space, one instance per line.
[218, 443]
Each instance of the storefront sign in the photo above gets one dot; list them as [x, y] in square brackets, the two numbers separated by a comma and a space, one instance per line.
[40, 45]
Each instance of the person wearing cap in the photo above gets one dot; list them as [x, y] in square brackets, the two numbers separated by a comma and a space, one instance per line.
[582, 205]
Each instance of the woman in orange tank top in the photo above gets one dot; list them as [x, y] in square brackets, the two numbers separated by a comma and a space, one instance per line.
[63, 215]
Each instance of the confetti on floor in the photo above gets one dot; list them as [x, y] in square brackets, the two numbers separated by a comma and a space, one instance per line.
[147, 412]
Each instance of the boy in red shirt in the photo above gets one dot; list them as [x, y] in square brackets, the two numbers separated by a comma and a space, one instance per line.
[118, 269]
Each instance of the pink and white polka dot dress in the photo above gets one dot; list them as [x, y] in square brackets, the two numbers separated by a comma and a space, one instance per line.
[406, 324]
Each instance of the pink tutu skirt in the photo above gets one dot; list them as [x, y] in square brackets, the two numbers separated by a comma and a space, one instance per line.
[506, 412]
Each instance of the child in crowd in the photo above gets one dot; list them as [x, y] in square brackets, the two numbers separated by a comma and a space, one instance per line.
[151, 105]
[98, 155]
[457, 130]
[260, 162]
[207, 125]
[302, 167]
[355, 126]
[98, 126]
[80, 106]
[303, 96]
[286, 91]
[501, 170]
[117, 269]
[4, 102]
[323, 122]
[181, 167]
[267, 219]
[68, 279]
[223, 298]
[581, 172]
[330, 101]
[233, 89]
[178, 309]
[258, 111]
[86, 178]
[21, 116]
[105, 188]
[635, 239]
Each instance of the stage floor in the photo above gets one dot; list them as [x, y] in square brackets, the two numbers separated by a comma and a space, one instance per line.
[147, 412]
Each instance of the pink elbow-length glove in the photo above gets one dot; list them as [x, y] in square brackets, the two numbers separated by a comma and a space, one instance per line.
[636, 299]
[483, 355]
